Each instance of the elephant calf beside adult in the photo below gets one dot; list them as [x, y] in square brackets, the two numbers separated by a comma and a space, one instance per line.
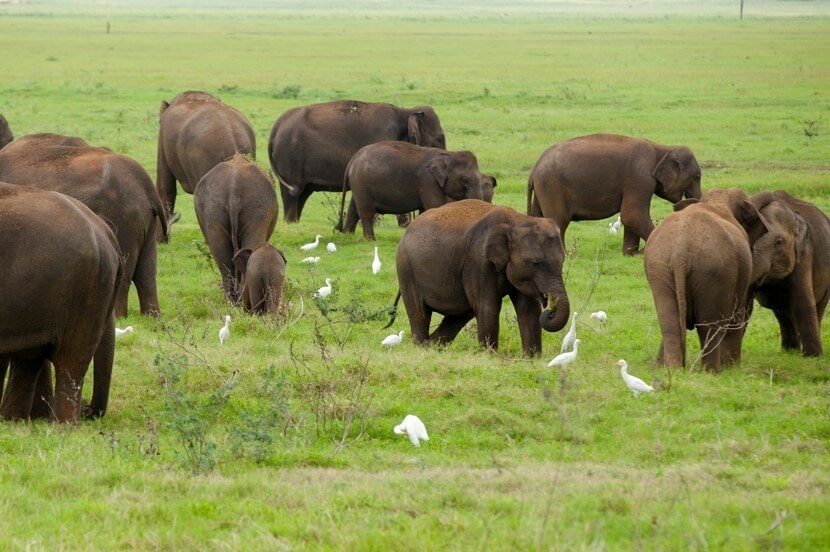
[398, 177]
[461, 259]
[114, 186]
[593, 177]
[310, 146]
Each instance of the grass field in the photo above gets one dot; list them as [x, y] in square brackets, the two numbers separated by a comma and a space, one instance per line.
[297, 450]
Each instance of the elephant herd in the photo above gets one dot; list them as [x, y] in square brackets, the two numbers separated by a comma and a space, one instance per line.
[99, 216]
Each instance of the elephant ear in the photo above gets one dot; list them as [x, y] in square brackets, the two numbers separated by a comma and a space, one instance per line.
[497, 246]
[439, 168]
[761, 199]
[414, 127]
[240, 260]
[164, 105]
[667, 170]
[803, 245]
[283, 256]
[683, 203]
[753, 222]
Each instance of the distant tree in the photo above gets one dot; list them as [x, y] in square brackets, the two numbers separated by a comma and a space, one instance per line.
[742, 9]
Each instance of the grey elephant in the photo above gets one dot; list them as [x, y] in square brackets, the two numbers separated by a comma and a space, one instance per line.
[791, 268]
[596, 176]
[463, 258]
[236, 207]
[310, 146]
[196, 132]
[699, 266]
[6, 135]
[398, 177]
[57, 303]
[263, 275]
[114, 186]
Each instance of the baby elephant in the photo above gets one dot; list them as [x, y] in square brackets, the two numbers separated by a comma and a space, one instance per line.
[263, 274]
[236, 206]
[399, 177]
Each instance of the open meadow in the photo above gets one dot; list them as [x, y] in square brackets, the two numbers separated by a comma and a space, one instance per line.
[282, 438]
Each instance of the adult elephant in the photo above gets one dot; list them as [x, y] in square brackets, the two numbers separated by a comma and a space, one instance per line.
[196, 132]
[114, 186]
[310, 146]
[593, 177]
[698, 263]
[59, 290]
[791, 264]
[236, 207]
[398, 177]
[461, 259]
[6, 135]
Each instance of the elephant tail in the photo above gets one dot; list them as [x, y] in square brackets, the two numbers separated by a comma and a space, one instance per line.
[346, 186]
[393, 311]
[161, 213]
[680, 291]
[533, 208]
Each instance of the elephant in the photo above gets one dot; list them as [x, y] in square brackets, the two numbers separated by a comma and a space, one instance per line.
[596, 176]
[462, 258]
[698, 263]
[236, 207]
[791, 265]
[57, 304]
[196, 132]
[310, 146]
[263, 275]
[399, 177]
[488, 188]
[114, 186]
[6, 135]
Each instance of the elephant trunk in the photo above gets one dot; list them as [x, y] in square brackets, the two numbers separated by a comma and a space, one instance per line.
[558, 311]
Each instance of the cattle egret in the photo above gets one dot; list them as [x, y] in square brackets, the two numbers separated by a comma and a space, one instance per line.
[324, 291]
[414, 428]
[330, 247]
[563, 359]
[636, 385]
[614, 227]
[600, 316]
[568, 340]
[391, 340]
[376, 262]
[225, 331]
[312, 245]
[311, 260]
[119, 332]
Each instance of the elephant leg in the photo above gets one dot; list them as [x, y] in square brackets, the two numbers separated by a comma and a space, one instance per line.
[122, 292]
[166, 186]
[301, 200]
[419, 318]
[804, 314]
[20, 391]
[144, 279]
[449, 327]
[102, 371]
[222, 250]
[367, 221]
[535, 209]
[711, 337]
[290, 205]
[672, 350]
[789, 334]
[730, 348]
[4, 368]
[631, 242]
[530, 328]
[636, 221]
[352, 218]
[487, 317]
[69, 382]
[404, 219]
[44, 395]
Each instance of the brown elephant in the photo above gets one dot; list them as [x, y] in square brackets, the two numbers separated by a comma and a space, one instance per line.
[236, 207]
[593, 177]
[398, 177]
[62, 266]
[792, 268]
[114, 186]
[310, 146]
[6, 135]
[461, 259]
[698, 263]
[263, 276]
[196, 132]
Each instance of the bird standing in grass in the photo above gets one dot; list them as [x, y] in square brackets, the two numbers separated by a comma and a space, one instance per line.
[119, 332]
[311, 260]
[330, 247]
[376, 262]
[391, 340]
[225, 331]
[600, 316]
[614, 227]
[324, 291]
[312, 245]
[634, 383]
[564, 359]
[570, 337]
[414, 428]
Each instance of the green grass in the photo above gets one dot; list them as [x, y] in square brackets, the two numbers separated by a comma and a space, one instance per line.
[515, 460]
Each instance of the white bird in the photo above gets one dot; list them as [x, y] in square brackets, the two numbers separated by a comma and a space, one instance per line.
[392, 340]
[225, 331]
[376, 262]
[119, 332]
[330, 247]
[600, 316]
[563, 359]
[568, 340]
[312, 245]
[614, 227]
[413, 427]
[324, 291]
[636, 385]
[311, 260]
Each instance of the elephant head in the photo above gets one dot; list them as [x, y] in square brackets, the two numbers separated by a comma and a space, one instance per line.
[424, 128]
[776, 253]
[677, 175]
[734, 204]
[532, 255]
[6, 135]
[457, 174]
[488, 186]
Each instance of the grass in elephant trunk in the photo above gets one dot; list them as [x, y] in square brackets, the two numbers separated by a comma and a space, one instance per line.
[518, 457]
